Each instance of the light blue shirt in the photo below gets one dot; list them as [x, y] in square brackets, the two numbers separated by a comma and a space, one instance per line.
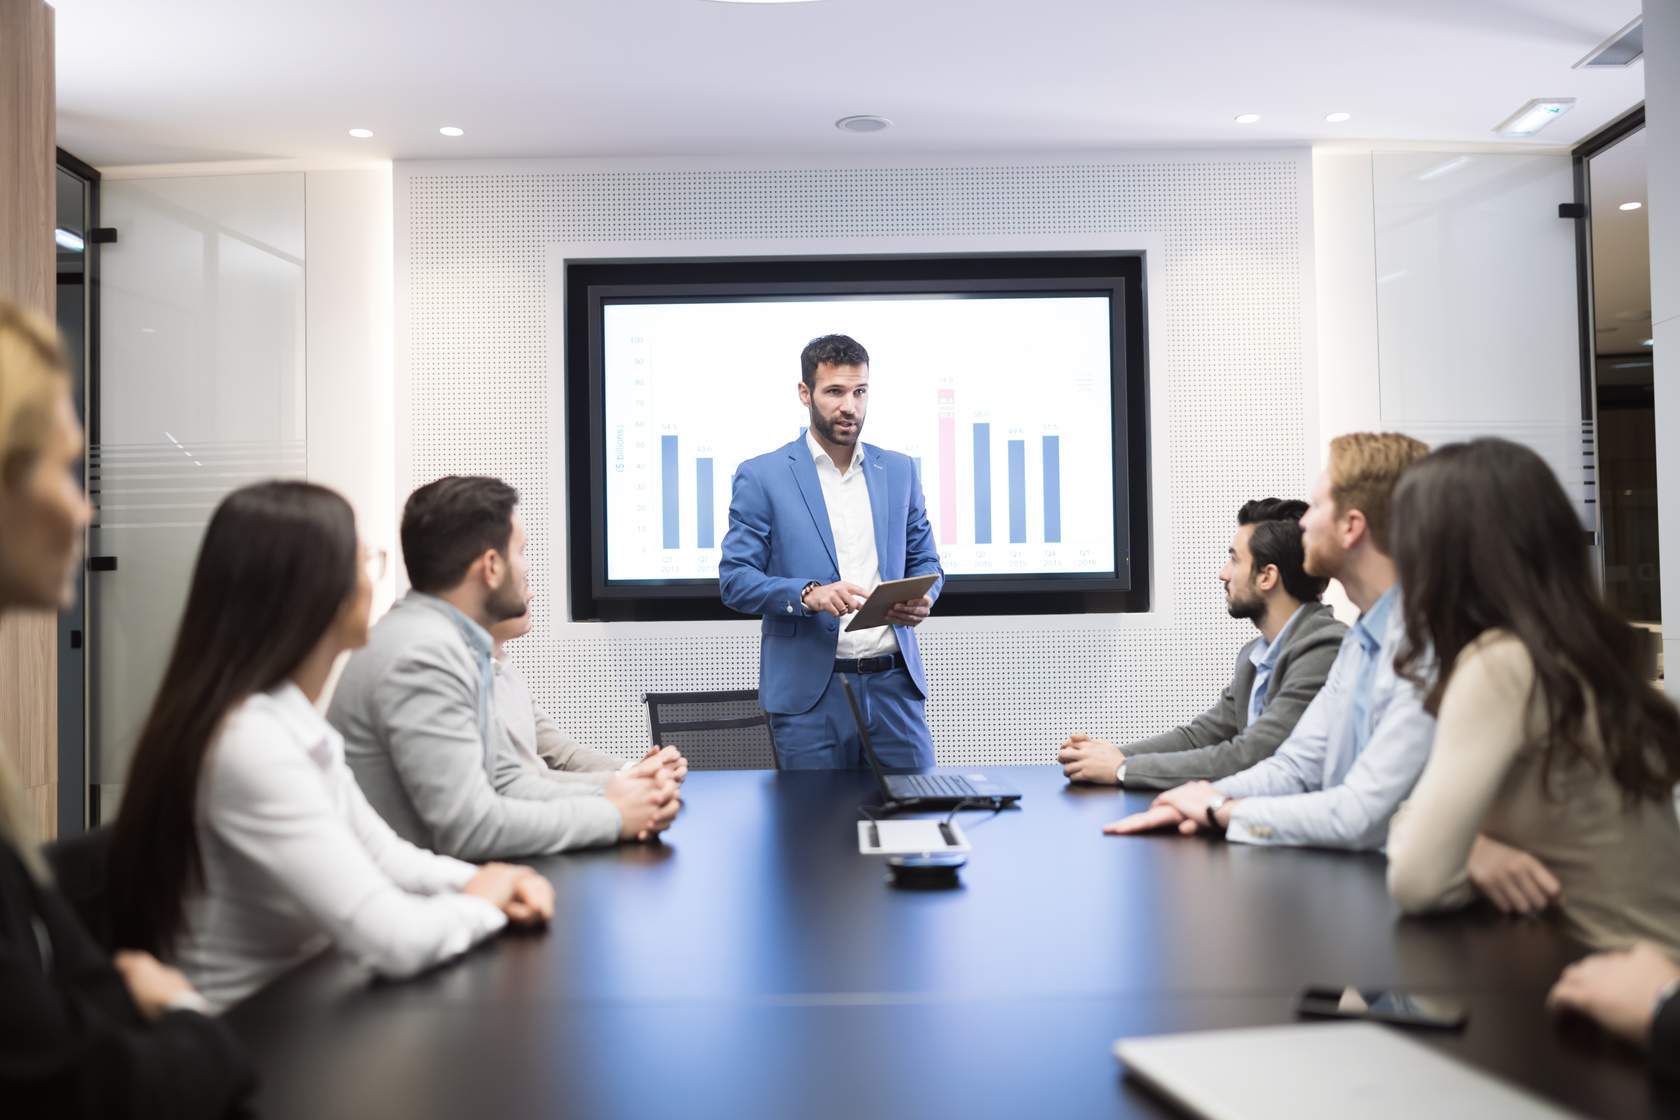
[1263, 655]
[1369, 631]
[1353, 757]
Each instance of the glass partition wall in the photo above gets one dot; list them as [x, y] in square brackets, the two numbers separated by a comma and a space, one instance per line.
[75, 223]
[201, 390]
[1618, 276]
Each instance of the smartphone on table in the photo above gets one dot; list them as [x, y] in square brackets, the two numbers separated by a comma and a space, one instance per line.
[1402, 1009]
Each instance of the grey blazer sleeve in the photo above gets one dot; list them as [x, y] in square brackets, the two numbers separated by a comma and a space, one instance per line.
[562, 752]
[431, 731]
[1215, 725]
[515, 778]
[1300, 673]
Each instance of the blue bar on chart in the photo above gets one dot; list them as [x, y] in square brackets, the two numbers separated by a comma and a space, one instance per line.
[668, 489]
[1017, 491]
[704, 503]
[1052, 489]
[982, 484]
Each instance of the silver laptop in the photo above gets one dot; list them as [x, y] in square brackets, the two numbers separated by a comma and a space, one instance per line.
[934, 789]
[1321, 1071]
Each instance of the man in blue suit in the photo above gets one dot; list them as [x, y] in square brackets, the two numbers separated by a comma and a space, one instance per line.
[813, 528]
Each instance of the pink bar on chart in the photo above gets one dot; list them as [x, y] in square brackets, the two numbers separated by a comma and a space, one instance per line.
[947, 466]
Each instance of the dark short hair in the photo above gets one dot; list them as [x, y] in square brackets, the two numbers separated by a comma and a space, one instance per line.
[448, 524]
[829, 350]
[1277, 540]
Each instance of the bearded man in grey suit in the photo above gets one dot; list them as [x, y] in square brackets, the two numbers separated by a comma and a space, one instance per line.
[1276, 677]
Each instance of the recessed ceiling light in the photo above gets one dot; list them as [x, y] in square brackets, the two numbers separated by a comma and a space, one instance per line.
[68, 240]
[1649, 342]
[1338, 118]
[451, 130]
[1247, 118]
[1630, 206]
[863, 122]
[1534, 116]
[361, 133]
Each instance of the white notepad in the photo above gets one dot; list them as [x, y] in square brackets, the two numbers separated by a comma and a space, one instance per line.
[903, 838]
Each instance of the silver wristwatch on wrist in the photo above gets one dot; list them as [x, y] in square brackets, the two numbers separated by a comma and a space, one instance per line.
[1216, 803]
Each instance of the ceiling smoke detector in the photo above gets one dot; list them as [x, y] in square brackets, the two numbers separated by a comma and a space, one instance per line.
[863, 122]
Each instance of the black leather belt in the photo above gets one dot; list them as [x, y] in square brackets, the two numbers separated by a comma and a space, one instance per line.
[869, 664]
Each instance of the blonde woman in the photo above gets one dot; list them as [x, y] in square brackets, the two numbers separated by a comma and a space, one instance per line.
[80, 1034]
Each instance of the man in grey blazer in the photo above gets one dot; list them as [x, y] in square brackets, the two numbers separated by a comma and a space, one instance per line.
[416, 705]
[1276, 677]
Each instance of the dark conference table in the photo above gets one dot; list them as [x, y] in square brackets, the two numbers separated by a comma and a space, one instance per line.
[755, 964]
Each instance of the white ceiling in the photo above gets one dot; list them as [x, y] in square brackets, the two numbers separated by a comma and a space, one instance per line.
[153, 81]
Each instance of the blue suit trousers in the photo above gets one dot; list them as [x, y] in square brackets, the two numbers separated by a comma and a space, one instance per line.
[825, 736]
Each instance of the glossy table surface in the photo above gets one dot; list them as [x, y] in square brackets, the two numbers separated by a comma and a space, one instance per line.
[755, 964]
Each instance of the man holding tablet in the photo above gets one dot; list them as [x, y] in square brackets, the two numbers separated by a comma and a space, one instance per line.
[814, 528]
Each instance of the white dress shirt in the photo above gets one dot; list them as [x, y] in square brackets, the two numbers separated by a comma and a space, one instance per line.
[851, 519]
[295, 860]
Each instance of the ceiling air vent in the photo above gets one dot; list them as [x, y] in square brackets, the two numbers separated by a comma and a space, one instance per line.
[1620, 50]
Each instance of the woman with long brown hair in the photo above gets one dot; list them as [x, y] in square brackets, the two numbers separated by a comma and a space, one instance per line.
[1550, 784]
[80, 1034]
[243, 844]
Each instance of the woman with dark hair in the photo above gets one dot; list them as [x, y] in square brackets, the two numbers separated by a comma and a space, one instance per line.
[1552, 776]
[81, 1035]
[243, 844]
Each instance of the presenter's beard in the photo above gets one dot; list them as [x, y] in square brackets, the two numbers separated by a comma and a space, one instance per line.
[825, 429]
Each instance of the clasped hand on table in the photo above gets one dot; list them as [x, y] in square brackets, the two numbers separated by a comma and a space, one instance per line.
[1186, 806]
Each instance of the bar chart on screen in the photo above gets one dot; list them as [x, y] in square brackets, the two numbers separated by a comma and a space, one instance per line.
[1003, 405]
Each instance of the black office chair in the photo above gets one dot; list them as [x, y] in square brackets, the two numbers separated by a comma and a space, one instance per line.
[79, 864]
[714, 730]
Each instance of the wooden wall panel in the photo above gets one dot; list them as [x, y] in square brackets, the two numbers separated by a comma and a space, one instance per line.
[28, 142]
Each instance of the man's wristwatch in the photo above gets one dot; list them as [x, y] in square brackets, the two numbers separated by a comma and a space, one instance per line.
[806, 590]
[1120, 775]
[1216, 803]
[1669, 991]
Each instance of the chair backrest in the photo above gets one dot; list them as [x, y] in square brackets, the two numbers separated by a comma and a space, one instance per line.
[79, 866]
[714, 730]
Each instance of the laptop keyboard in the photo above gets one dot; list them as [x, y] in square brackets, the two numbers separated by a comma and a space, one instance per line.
[937, 785]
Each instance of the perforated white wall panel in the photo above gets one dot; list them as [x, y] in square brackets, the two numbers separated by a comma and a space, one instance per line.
[1228, 385]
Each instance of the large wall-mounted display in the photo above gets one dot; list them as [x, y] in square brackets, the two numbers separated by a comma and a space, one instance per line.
[1016, 384]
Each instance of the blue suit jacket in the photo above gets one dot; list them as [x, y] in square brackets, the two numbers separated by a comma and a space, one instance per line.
[779, 540]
